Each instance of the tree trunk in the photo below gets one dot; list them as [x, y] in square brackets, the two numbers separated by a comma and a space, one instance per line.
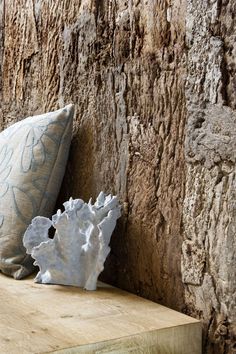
[154, 87]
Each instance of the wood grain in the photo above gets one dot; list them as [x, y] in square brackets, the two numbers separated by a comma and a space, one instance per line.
[39, 318]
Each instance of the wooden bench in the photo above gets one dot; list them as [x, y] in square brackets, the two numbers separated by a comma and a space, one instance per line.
[37, 318]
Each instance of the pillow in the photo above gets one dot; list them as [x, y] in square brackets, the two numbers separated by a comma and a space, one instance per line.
[33, 156]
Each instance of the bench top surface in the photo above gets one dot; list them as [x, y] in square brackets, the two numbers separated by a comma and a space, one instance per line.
[36, 318]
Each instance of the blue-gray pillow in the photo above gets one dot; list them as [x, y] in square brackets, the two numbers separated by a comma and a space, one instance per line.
[33, 157]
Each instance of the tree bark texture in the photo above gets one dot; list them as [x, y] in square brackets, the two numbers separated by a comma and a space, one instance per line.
[154, 87]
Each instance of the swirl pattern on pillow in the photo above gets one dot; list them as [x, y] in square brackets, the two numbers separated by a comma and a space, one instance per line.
[33, 156]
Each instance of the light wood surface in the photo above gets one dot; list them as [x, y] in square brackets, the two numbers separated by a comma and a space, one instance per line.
[37, 318]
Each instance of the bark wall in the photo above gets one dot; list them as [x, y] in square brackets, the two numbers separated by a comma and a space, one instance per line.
[154, 88]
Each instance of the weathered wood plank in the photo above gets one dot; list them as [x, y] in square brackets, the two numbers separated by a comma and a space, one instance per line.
[39, 318]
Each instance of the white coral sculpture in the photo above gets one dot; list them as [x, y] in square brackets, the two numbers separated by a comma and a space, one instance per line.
[76, 254]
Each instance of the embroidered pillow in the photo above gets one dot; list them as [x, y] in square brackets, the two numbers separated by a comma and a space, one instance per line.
[33, 156]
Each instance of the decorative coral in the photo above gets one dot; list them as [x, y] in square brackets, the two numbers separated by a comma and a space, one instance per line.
[76, 254]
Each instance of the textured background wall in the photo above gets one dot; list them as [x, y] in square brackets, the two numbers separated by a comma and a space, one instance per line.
[149, 80]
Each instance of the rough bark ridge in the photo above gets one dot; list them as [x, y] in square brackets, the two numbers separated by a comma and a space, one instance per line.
[136, 70]
[209, 214]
